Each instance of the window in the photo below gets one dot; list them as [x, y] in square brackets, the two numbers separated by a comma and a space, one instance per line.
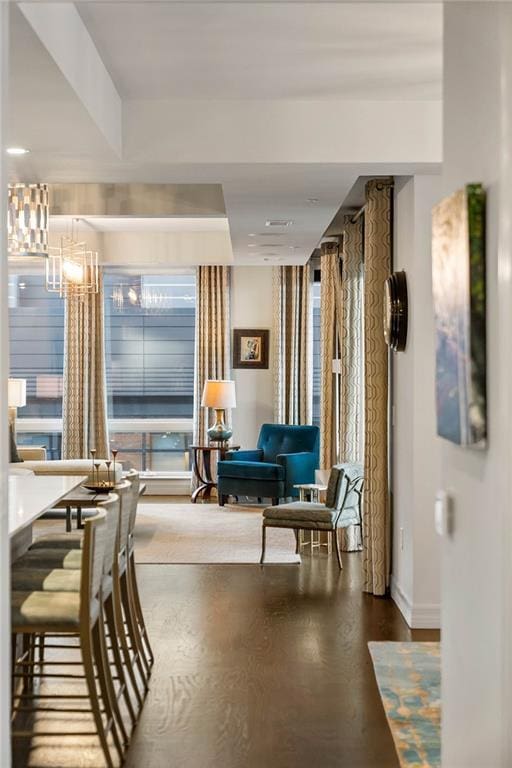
[36, 327]
[149, 331]
[149, 346]
[150, 339]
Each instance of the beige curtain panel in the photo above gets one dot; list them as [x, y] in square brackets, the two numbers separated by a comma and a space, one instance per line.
[330, 336]
[377, 263]
[212, 343]
[351, 356]
[84, 401]
[293, 345]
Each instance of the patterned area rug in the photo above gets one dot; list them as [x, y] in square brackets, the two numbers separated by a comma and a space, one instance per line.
[168, 532]
[409, 680]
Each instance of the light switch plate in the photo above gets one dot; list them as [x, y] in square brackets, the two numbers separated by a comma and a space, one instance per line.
[443, 514]
[440, 512]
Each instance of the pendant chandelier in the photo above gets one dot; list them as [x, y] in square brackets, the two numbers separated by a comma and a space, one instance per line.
[71, 268]
[27, 220]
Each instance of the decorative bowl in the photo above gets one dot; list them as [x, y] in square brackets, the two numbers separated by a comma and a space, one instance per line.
[99, 487]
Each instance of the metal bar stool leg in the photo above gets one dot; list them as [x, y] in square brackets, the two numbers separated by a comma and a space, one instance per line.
[263, 542]
[337, 545]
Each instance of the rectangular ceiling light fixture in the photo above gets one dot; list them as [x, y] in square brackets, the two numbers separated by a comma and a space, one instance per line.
[27, 220]
[278, 222]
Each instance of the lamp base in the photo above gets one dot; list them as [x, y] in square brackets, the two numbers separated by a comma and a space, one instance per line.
[219, 433]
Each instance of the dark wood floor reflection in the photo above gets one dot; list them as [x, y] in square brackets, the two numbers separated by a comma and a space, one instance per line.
[264, 668]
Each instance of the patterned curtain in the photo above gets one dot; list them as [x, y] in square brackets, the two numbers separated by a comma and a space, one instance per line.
[351, 355]
[212, 338]
[377, 263]
[293, 345]
[330, 335]
[84, 401]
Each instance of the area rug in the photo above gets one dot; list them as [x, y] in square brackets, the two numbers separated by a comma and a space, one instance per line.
[409, 680]
[168, 532]
[207, 533]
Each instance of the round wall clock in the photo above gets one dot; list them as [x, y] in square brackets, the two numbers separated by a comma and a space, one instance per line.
[395, 311]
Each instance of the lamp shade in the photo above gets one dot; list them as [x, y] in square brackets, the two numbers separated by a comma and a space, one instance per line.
[17, 393]
[219, 394]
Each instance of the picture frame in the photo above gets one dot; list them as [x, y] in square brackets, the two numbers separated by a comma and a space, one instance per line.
[250, 348]
[459, 292]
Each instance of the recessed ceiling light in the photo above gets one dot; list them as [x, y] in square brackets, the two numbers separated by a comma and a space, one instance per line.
[278, 222]
[251, 234]
[252, 245]
[17, 151]
[313, 200]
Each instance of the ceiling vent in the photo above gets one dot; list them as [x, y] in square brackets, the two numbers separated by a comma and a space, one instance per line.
[278, 222]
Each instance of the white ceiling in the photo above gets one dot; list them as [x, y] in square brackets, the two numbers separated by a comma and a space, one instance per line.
[269, 50]
[255, 96]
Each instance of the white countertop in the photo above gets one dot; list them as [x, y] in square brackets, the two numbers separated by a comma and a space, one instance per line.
[30, 496]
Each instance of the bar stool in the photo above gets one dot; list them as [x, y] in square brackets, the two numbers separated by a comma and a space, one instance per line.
[129, 596]
[47, 563]
[74, 614]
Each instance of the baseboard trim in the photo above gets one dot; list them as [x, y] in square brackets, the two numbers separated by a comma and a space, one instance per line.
[421, 616]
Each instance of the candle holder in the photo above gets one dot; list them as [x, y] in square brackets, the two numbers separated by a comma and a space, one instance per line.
[94, 483]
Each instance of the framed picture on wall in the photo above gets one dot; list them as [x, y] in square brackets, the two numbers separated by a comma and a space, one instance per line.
[458, 281]
[250, 348]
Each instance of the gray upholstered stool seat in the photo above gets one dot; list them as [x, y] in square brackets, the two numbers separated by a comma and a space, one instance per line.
[342, 508]
[53, 580]
[50, 558]
[58, 610]
[45, 580]
[300, 515]
[315, 515]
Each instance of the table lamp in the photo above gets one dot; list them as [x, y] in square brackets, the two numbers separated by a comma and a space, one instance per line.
[16, 398]
[219, 395]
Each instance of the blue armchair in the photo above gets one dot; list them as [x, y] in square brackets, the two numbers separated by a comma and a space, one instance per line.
[286, 455]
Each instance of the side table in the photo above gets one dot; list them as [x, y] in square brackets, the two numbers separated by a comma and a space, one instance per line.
[204, 476]
[311, 492]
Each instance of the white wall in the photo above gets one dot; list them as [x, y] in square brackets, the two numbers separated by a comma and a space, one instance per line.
[476, 558]
[416, 547]
[5, 608]
[251, 307]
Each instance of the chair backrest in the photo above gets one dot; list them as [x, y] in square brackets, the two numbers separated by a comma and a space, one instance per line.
[134, 478]
[350, 487]
[332, 494]
[124, 490]
[93, 556]
[111, 508]
[275, 439]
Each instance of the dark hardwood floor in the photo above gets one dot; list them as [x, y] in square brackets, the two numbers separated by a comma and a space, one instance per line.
[264, 668]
